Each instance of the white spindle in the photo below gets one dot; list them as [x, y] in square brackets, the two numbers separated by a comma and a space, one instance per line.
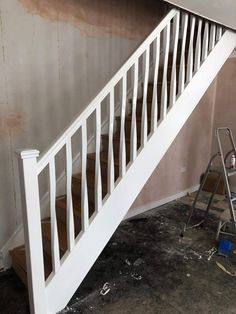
[212, 41]
[70, 211]
[197, 61]
[156, 56]
[84, 187]
[133, 135]
[190, 50]
[54, 230]
[205, 42]
[164, 91]
[218, 33]
[32, 230]
[111, 176]
[98, 179]
[144, 120]
[175, 50]
[122, 157]
[181, 81]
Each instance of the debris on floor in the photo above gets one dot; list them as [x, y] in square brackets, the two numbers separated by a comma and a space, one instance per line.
[233, 274]
[148, 267]
[210, 253]
[136, 276]
[105, 289]
[138, 262]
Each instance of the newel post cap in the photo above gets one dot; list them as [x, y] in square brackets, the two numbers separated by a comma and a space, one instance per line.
[27, 153]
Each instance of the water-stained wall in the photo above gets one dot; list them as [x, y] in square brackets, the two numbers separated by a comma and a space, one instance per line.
[55, 55]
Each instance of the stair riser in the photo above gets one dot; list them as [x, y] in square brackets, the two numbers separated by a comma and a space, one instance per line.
[104, 165]
[47, 247]
[139, 109]
[128, 126]
[19, 271]
[76, 189]
[62, 216]
[116, 149]
[159, 88]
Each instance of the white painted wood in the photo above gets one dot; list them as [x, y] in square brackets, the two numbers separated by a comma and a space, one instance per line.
[152, 205]
[32, 230]
[133, 134]
[181, 81]
[96, 234]
[54, 230]
[98, 179]
[173, 91]
[111, 170]
[197, 61]
[69, 202]
[190, 51]
[72, 129]
[164, 91]
[156, 56]
[205, 43]
[218, 33]
[84, 187]
[122, 155]
[212, 37]
[144, 119]
[135, 178]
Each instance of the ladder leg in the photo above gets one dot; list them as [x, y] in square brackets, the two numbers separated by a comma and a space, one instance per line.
[232, 212]
[199, 191]
[218, 230]
[212, 197]
[225, 174]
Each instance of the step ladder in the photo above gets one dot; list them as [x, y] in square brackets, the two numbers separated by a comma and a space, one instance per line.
[224, 170]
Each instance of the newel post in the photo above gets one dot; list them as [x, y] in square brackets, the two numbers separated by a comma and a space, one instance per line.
[32, 229]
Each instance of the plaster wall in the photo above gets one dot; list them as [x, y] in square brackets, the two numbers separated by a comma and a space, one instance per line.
[55, 55]
[225, 105]
[186, 159]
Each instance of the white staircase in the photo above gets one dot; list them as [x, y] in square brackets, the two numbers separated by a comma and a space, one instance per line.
[163, 80]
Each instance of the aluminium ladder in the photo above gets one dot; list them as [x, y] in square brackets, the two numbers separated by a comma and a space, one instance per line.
[224, 172]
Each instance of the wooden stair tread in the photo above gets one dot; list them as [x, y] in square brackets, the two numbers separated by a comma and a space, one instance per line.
[104, 155]
[19, 257]
[129, 118]
[90, 180]
[61, 202]
[116, 138]
[62, 233]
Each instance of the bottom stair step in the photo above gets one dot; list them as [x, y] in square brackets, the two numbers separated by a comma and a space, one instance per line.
[19, 263]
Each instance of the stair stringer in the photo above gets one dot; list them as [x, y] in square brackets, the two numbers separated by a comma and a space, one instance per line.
[91, 243]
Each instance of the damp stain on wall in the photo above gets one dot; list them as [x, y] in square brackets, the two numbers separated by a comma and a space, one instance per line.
[11, 124]
[126, 18]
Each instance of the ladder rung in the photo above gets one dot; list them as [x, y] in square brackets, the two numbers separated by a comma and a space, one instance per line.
[233, 199]
[216, 170]
[231, 172]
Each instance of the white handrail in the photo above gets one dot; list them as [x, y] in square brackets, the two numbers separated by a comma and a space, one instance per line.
[70, 131]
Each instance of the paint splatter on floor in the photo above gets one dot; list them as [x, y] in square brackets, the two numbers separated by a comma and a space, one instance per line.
[147, 267]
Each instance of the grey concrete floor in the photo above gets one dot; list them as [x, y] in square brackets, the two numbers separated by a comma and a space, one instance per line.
[147, 267]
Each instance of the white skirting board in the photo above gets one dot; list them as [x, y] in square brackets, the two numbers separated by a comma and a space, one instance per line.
[153, 205]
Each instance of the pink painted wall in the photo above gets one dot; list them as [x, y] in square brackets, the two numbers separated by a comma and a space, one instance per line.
[225, 104]
[186, 159]
[195, 143]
